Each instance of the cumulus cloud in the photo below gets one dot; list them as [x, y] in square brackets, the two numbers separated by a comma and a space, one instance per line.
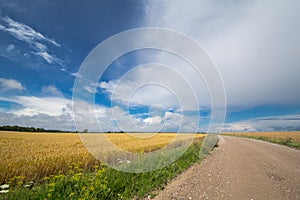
[115, 118]
[32, 105]
[61, 122]
[254, 44]
[51, 112]
[169, 87]
[36, 40]
[10, 84]
[57, 113]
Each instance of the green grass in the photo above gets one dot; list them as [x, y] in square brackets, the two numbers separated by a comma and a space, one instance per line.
[104, 182]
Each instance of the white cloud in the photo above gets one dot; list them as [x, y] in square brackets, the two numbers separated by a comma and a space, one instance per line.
[254, 44]
[51, 90]
[53, 112]
[75, 74]
[153, 120]
[164, 89]
[152, 84]
[24, 33]
[48, 58]
[35, 39]
[90, 89]
[10, 47]
[116, 119]
[32, 105]
[10, 84]
[62, 122]
[41, 46]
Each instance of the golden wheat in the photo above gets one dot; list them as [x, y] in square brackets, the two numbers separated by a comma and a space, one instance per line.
[34, 156]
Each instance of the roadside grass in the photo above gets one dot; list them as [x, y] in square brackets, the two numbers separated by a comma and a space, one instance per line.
[291, 139]
[103, 182]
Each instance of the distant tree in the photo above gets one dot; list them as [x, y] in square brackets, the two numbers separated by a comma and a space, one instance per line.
[85, 130]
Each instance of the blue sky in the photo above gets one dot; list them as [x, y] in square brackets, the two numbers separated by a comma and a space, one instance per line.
[255, 46]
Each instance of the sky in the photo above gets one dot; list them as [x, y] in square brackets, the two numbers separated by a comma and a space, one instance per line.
[254, 45]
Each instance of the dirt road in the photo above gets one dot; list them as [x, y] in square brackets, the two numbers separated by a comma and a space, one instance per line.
[240, 168]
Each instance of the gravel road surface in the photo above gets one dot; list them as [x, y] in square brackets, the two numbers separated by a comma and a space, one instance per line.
[240, 168]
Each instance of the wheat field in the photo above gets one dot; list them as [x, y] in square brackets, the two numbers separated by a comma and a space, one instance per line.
[33, 156]
[291, 138]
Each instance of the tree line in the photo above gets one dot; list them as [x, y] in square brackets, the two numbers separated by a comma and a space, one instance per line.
[28, 129]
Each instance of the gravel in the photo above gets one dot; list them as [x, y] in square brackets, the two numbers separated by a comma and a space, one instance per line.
[240, 168]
